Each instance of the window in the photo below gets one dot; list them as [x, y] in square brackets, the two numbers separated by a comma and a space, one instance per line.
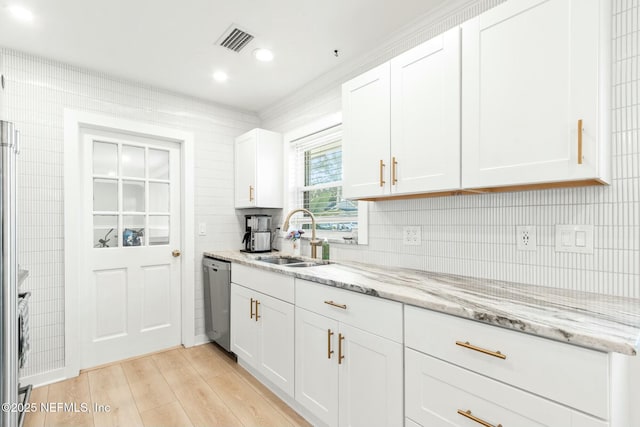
[316, 184]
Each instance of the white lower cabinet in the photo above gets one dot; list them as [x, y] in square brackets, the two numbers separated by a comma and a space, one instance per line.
[346, 376]
[262, 335]
[464, 373]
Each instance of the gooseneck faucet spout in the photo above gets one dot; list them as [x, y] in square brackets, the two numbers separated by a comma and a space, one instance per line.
[314, 242]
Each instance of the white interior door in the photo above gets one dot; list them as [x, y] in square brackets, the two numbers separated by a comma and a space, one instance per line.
[130, 299]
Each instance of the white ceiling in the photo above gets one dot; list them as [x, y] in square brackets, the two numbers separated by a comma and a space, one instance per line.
[171, 44]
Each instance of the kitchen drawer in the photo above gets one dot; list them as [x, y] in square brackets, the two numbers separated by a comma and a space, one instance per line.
[435, 391]
[572, 375]
[376, 315]
[273, 284]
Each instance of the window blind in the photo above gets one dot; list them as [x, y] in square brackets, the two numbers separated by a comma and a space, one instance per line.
[316, 181]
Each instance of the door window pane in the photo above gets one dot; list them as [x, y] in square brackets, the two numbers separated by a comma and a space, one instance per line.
[132, 161]
[105, 159]
[159, 230]
[133, 196]
[158, 164]
[133, 230]
[105, 231]
[158, 197]
[105, 195]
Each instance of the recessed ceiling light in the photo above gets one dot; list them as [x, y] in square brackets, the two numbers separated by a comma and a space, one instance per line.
[21, 14]
[264, 55]
[220, 76]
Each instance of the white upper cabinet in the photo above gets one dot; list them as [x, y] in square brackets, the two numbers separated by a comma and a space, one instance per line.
[366, 124]
[258, 170]
[535, 108]
[425, 116]
[402, 123]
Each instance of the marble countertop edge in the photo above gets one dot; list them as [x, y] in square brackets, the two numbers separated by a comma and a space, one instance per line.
[561, 315]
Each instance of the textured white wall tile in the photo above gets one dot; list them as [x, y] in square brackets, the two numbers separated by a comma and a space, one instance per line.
[38, 91]
[475, 235]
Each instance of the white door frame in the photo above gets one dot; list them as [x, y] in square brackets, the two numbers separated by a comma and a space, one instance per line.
[74, 258]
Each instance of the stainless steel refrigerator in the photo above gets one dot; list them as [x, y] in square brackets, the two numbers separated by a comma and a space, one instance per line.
[9, 274]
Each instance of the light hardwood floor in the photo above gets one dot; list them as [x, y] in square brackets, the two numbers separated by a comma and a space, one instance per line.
[198, 386]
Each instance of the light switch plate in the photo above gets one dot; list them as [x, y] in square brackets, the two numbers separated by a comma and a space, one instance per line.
[574, 238]
[202, 228]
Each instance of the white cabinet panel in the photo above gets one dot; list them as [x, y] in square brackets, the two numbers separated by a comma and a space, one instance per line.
[244, 333]
[259, 170]
[425, 116]
[366, 124]
[316, 365]
[262, 335]
[276, 341]
[370, 376]
[435, 391]
[402, 123]
[530, 71]
[572, 375]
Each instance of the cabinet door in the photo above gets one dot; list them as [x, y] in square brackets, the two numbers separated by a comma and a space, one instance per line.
[425, 116]
[244, 330]
[245, 170]
[365, 144]
[317, 365]
[370, 386]
[530, 72]
[276, 341]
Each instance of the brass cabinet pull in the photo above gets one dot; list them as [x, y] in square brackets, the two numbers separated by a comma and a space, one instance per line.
[335, 304]
[382, 181]
[329, 351]
[467, 414]
[481, 350]
[394, 171]
[580, 141]
[251, 308]
[340, 355]
[257, 304]
[251, 193]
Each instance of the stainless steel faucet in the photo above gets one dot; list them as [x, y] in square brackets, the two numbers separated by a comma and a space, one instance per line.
[314, 242]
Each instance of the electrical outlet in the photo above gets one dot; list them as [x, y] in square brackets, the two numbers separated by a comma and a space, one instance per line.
[526, 237]
[411, 235]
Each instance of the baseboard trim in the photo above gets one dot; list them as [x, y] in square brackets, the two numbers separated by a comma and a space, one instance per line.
[44, 378]
[201, 339]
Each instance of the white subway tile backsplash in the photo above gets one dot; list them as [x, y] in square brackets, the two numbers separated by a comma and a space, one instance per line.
[475, 235]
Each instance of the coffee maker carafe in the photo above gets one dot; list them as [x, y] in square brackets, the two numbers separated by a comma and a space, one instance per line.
[257, 236]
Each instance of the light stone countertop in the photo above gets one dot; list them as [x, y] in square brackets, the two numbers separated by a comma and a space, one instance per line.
[601, 322]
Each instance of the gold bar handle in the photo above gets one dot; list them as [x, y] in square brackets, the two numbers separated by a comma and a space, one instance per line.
[335, 304]
[257, 304]
[340, 355]
[382, 181]
[394, 171]
[251, 193]
[580, 141]
[481, 350]
[251, 308]
[468, 414]
[329, 351]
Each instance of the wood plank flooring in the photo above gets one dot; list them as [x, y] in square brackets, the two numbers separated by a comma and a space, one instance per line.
[198, 386]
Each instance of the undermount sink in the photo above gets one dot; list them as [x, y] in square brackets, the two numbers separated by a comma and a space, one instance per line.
[292, 261]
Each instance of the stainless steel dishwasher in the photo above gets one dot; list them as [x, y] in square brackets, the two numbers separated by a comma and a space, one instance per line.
[217, 300]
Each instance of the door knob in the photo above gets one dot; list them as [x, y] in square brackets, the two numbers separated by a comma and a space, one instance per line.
[176, 253]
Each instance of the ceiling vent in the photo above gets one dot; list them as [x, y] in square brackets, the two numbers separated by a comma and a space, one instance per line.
[234, 38]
